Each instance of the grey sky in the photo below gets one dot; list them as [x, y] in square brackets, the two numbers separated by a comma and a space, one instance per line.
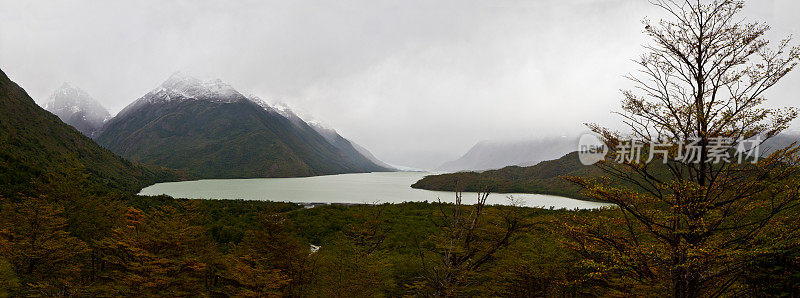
[416, 82]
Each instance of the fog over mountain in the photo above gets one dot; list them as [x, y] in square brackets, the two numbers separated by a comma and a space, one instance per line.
[210, 130]
[780, 141]
[76, 108]
[488, 155]
[417, 82]
[330, 134]
[346, 145]
[36, 147]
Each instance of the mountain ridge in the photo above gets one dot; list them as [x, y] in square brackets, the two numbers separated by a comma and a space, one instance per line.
[212, 131]
[491, 155]
[542, 178]
[78, 109]
[37, 147]
[546, 177]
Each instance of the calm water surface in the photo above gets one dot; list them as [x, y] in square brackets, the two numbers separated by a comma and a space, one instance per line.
[346, 188]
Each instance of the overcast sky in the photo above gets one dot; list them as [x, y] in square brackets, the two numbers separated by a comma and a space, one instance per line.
[416, 82]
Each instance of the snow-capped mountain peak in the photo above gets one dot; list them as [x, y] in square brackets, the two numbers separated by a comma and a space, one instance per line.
[182, 86]
[180, 80]
[77, 108]
[68, 97]
[254, 98]
[275, 107]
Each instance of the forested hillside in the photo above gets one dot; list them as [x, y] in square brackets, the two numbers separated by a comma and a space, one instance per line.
[542, 178]
[35, 146]
[73, 232]
[210, 130]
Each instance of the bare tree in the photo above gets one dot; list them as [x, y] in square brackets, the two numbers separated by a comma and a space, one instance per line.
[469, 239]
[694, 221]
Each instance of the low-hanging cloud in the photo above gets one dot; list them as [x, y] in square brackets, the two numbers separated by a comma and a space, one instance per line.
[416, 82]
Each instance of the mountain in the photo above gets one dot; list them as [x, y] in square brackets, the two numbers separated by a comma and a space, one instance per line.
[212, 131]
[545, 177]
[35, 144]
[487, 155]
[542, 178]
[332, 136]
[76, 108]
[346, 146]
[366, 153]
[780, 141]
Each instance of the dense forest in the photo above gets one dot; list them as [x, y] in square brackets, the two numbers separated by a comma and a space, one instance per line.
[71, 223]
[35, 144]
[72, 243]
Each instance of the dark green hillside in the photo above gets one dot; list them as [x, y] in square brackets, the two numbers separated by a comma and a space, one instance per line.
[224, 140]
[206, 138]
[546, 177]
[542, 178]
[35, 144]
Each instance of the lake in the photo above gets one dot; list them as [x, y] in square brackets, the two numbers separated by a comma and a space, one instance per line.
[368, 188]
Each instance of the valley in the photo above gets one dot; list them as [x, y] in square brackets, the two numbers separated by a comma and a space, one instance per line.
[364, 148]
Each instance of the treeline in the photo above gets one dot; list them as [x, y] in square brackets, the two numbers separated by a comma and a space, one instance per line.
[542, 178]
[69, 242]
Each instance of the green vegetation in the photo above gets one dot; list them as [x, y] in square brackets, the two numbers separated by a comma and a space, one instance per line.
[164, 246]
[36, 146]
[542, 178]
[70, 225]
[700, 224]
[237, 139]
[172, 247]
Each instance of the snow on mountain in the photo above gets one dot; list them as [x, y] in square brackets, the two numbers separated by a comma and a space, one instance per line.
[330, 135]
[181, 86]
[333, 137]
[260, 102]
[77, 108]
[278, 108]
[327, 133]
[184, 87]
